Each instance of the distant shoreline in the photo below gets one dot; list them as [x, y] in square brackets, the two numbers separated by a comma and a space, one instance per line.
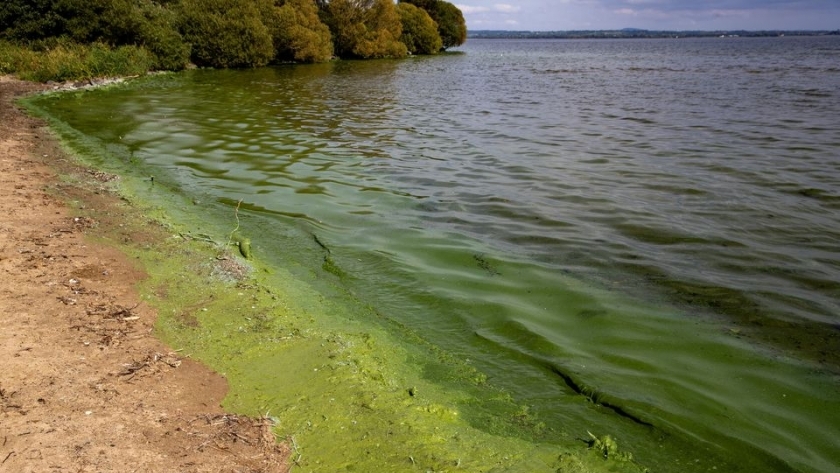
[632, 33]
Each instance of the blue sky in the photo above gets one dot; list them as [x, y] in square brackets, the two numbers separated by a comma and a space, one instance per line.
[545, 15]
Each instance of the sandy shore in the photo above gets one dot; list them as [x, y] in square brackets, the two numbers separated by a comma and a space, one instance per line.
[84, 384]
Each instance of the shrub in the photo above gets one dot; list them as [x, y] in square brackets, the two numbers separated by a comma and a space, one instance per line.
[68, 61]
[419, 31]
[103, 61]
[160, 35]
[383, 31]
[85, 21]
[116, 22]
[451, 24]
[450, 20]
[145, 23]
[299, 34]
[226, 33]
[26, 20]
[365, 28]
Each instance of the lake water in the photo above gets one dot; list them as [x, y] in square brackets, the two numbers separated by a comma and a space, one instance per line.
[636, 237]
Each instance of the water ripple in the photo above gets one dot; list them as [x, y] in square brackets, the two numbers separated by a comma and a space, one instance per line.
[650, 227]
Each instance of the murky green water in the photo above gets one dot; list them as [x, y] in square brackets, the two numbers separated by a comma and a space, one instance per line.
[633, 237]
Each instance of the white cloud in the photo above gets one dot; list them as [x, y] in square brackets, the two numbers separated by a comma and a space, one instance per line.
[467, 9]
[505, 8]
[729, 13]
[626, 11]
[499, 7]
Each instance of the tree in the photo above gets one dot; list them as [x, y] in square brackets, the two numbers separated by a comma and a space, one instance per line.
[428, 5]
[142, 23]
[145, 23]
[364, 28]
[451, 24]
[298, 33]
[32, 20]
[226, 33]
[26, 20]
[159, 34]
[419, 31]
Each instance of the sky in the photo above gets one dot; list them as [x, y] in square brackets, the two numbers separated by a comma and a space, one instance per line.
[559, 15]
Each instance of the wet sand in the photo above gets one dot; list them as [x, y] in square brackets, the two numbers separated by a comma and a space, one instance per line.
[84, 383]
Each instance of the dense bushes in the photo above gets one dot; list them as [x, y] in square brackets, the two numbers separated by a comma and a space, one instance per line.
[170, 34]
[298, 33]
[73, 61]
[364, 28]
[25, 20]
[419, 30]
[226, 33]
[143, 23]
[149, 25]
[381, 31]
[451, 24]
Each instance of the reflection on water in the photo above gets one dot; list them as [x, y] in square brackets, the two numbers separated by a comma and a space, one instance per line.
[635, 236]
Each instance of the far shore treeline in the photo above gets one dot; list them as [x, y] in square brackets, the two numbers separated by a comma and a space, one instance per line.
[635, 33]
[80, 39]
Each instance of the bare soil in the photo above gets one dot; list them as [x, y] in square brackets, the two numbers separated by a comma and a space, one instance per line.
[84, 384]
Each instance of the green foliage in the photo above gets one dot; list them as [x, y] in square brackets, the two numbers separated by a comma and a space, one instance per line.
[159, 35]
[145, 23]
[342, 18]
[428, 5]
[365, 28]
[116, 22]
[121, 61]
[298, 33]
[226, 33]
[450, 20]
[419, 31]
[382, 32]
[451, 24]
[68, 61]
[26, 20]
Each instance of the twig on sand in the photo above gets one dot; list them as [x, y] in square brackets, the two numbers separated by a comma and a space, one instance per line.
[171, 359]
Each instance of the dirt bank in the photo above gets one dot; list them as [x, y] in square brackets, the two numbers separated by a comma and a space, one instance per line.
[84, 383]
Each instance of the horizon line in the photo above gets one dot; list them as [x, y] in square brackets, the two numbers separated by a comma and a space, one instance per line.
[660, 31]
[640, 30]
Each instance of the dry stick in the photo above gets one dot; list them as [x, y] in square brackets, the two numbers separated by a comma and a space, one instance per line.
[295, 447]
[240, 437]
[7, 457]
[235, 214]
